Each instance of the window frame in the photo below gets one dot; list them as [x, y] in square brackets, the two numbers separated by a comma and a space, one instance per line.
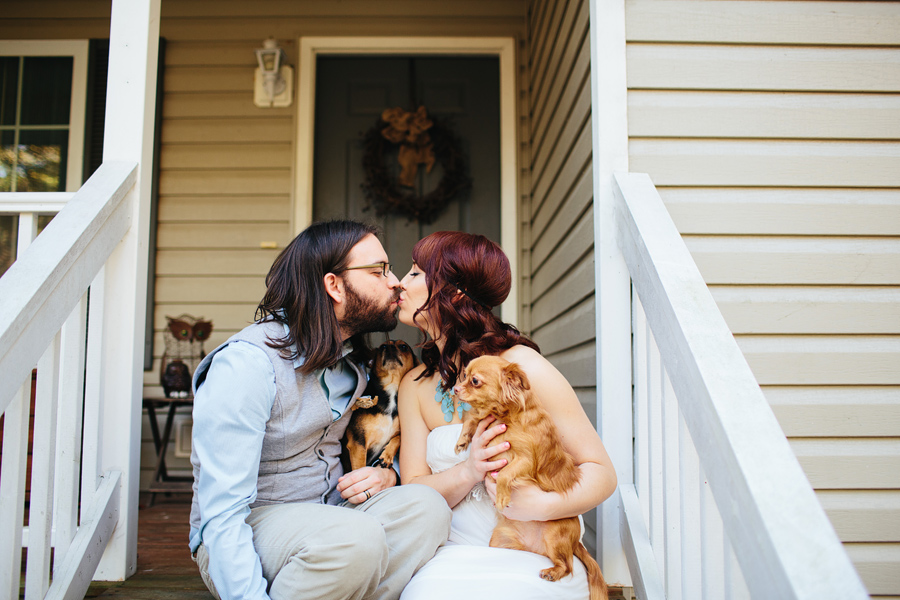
[78, 50]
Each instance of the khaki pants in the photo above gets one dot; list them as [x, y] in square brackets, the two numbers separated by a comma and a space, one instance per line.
[369, 550]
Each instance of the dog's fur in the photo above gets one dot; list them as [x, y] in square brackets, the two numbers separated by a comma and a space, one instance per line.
[374, 428]
[493, 386]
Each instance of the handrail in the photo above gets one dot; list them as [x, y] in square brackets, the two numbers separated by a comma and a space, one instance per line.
[40, 289]
[44, 320]
[784, 543]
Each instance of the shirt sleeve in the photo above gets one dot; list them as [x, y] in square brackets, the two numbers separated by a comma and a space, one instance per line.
[231, 408]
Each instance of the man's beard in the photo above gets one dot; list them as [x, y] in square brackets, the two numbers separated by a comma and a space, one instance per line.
[364, 315]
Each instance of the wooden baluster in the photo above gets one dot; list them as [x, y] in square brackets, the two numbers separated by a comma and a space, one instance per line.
[12, 489]
[40, 510]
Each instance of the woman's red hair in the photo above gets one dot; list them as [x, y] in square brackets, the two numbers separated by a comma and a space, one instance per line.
[454, 262]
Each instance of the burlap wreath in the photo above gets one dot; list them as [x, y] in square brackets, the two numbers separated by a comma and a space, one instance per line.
[419, 140]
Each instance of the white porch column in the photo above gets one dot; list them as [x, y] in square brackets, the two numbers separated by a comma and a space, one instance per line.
[613, 287]
[128, 135]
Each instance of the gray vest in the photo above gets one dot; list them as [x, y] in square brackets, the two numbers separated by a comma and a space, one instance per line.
[301, 449]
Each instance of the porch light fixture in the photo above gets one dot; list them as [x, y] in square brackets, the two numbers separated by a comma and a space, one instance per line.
[274, 81]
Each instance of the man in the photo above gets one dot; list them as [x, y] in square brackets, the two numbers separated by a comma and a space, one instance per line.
[272, 514]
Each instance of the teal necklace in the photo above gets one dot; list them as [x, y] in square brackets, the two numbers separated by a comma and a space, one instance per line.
[446, 400]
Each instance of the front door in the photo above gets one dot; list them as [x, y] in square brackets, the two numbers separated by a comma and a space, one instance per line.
[352, 93]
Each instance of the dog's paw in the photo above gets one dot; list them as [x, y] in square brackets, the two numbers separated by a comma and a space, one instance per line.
[366, 401]
[553, 573]
[384, 462]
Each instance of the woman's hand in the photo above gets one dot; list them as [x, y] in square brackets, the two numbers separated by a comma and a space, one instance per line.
[360, 485]
[526, 503]
[480, 460]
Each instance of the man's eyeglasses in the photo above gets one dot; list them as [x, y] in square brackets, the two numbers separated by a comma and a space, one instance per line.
[384, 266]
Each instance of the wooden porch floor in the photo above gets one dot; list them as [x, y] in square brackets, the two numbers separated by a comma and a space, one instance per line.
[165, 570]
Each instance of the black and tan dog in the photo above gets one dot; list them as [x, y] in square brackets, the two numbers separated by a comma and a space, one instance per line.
[373, 435]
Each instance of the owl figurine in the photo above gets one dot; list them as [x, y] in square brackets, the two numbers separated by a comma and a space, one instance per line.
[184, 336]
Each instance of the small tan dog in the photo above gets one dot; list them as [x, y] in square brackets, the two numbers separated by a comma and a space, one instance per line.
[493, 386]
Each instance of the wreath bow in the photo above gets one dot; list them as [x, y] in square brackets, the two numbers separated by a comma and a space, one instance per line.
[410, 130]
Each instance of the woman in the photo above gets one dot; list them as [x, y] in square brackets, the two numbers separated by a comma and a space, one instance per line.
[455, 280]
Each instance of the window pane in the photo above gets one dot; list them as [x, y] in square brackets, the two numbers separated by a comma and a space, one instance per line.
[46, 90]
[8, 225]
[9, 80]
[7, 157]
[42, 159]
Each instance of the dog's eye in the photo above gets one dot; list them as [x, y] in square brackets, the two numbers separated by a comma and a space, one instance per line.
[475, 381]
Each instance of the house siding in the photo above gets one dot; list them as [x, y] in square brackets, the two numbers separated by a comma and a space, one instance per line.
[558, 230]
[771, 130]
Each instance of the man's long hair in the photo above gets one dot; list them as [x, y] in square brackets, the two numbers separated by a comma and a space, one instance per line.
[295, 293]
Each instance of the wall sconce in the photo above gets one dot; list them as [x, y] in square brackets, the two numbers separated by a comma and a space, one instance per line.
[274, 82]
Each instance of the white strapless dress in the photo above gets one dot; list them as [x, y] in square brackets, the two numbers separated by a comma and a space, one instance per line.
[466, 567]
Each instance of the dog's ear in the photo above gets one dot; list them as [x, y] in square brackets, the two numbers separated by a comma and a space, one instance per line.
[513, 384]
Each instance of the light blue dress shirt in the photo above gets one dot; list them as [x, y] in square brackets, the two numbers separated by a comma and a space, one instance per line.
[231, 408]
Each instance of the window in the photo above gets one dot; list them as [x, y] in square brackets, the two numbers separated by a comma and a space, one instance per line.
[42, 112]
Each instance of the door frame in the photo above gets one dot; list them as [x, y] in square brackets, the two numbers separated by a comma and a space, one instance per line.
[503, 48]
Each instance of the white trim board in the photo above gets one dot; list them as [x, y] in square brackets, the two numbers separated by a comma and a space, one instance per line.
[78, 50]
[503, 48]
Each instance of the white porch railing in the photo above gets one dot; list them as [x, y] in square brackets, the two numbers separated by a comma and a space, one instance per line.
[719, 507]
[51, 309]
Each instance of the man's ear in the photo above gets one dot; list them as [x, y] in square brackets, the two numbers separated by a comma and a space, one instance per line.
[334, 287]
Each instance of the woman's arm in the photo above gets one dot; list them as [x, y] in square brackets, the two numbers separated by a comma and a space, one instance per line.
[454, 483]
[598, 477]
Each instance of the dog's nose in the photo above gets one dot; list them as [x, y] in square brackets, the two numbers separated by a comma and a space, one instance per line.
[456, 390]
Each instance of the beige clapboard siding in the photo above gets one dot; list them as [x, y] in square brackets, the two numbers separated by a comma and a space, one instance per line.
[560, 223]
[215, 262]
[757, 163]
[203, 290]
[764, 68]
[847, 463]
[563, 127]
[877, 566]
[222, 104]
[871, 517]
[835, 411]
[260, 130]
[256, 28]
[823, 359]
[567, 66]
[571, 160]
[693, 114]
[809, 309]
[202, 236]
[797, 260]
[774, 211]
[573, 328]
[351, 8]
[224, 182]
[79, 9]
[577, 365]
[763, 22]
[222, 207]
[576, 245]
[227, 156]
[549, 226]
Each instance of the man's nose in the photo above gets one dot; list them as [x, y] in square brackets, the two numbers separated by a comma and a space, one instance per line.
[393, 282]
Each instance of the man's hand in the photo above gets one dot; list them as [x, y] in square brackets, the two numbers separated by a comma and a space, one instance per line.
[360, 485]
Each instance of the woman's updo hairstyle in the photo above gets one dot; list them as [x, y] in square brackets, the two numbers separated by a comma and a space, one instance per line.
[467, 275]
